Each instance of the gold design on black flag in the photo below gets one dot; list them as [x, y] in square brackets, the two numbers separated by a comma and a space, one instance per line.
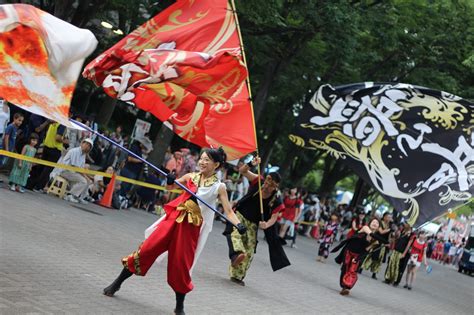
[413, 144]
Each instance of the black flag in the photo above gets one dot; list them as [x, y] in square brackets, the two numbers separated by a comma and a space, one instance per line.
[413, 144]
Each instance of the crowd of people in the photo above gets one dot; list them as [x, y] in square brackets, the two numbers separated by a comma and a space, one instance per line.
[35, 136]
[366, 240]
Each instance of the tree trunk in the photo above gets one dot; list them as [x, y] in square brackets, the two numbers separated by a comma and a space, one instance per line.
[295, 44]
[302, 163]
[360, 193]
[106, 111]
[262, 94]
[332, 174]
[160, 145]
[267, 146]
[82, 13]
[85, 104]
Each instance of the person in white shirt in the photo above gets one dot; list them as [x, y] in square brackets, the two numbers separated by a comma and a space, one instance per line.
[4, 117]
[78, 182]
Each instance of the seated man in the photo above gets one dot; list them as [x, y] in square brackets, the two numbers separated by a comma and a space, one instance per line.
[78, 182]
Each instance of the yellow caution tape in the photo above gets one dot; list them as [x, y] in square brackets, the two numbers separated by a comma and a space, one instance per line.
[84, 171]
[307, 223]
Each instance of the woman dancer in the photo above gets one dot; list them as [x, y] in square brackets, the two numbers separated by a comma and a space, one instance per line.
[354, 251]
[373, 261]
[291, 213]
[357, 224]
[329, 235]
[417, 256]
[183, 230]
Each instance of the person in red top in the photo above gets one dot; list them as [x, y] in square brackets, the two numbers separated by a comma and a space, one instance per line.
[357, 224]
[291, 213]
[417, 256]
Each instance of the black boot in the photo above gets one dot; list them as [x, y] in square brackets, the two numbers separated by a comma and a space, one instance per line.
[374, 276]
[179, 310]
[115, 286]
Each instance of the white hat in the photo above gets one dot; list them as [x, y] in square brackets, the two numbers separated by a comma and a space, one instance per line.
[89, 140]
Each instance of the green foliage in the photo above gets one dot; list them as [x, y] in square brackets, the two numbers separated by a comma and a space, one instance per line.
[312, 180]
[293, 46]
[339, 42]
[466, 210]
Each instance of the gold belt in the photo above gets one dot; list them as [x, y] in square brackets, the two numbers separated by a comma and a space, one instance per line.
[190, 209]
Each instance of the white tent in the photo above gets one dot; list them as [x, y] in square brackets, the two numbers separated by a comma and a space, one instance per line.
[430, 228]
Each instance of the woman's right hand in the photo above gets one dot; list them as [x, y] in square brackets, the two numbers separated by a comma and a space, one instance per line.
[365, 229]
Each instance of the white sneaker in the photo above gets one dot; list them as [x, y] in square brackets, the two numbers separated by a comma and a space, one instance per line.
[84, 202]
[22, 190]
[89, 199]
[71, 198]
[13, 187]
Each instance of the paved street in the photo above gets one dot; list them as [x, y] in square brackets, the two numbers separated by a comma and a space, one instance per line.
[56, 258]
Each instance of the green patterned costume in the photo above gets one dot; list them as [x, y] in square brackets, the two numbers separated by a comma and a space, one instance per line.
[248, 212]
[391, 274]
[245, 243]
[373, 261]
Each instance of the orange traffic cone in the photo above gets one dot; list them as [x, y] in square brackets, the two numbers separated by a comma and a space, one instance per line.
[106, 200]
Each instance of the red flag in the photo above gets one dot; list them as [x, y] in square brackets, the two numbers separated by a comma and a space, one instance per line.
[185, 66]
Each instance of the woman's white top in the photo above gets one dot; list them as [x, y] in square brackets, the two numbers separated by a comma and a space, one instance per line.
[208, 192]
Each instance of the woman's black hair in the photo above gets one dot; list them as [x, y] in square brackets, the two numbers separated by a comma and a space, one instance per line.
[216, 155]
[33, 135]
[372, 219]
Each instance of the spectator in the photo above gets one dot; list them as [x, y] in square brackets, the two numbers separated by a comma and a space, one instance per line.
[132, 167]
[148, 195]
[4, 117]
[459, 250]
[189, 164]
[53, 145]
[74, 135]
[78, 182]
[175, 163]
[121, 155]
[9, 136]
[452, 252]
[446, 248]
[111, 151]
[21, 169]
[240, 189]
[117, 135]
[38, 124]
[431, 246]
[99, 185]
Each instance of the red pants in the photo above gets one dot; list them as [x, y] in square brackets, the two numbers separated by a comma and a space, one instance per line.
[180, 240]
[349, 270]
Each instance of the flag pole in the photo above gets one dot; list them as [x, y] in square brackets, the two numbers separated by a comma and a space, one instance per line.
[183, 187]
[247, 81]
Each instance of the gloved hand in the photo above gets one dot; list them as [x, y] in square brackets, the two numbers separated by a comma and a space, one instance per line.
[193, 198]
[241, 228]
[170, 178]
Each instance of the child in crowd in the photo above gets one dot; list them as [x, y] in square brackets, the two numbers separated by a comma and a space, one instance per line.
[9, 137]
[21, 169]
[328, 237]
